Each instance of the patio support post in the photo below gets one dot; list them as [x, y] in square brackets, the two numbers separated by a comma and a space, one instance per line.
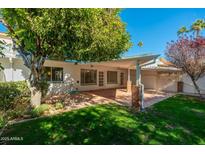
[138, 74]
[136, 88]
[129, 82]
[129, 78]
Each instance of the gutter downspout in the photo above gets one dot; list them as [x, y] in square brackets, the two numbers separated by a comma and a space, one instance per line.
[142, 86]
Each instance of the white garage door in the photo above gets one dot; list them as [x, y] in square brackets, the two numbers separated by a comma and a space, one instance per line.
[167, 83]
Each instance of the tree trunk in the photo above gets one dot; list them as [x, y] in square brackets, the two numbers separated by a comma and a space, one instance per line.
[36, 95]
[196, 87]
[197, 33]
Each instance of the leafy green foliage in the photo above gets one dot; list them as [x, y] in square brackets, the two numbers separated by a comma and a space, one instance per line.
[11, 92]
[182, 31]
[2, 120]
[1, 53]
[14, 101]
[43, 85]
[80, 34]
[140, 44]
[177, 120]
[198, 26]
[59, 105]
[38, 111]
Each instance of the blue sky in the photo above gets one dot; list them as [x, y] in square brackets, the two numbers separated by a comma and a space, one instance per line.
[155, 27]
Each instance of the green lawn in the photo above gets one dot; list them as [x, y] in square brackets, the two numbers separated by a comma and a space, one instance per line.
[177, 120]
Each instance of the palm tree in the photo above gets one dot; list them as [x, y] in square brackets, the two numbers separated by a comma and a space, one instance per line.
[140, 44]
[198, 26]
[182, 31]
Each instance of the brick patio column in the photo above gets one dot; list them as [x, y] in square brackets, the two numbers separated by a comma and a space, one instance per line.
[135, 96]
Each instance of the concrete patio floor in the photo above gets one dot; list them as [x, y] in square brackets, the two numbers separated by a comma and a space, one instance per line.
[121, 96]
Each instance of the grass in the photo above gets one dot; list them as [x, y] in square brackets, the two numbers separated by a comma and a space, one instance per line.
[177, 120]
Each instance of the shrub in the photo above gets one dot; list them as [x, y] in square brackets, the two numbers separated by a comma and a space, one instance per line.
[12, 114]
[43, 85]
[2, 120]
[59, 105]
[10, 91]
[38, 111]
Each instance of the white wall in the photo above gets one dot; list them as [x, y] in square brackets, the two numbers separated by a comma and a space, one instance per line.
[189, 87]
[149, 79]
[7, 73]
[15, 70]
[167, 82]
[159, 81]
[72, 76]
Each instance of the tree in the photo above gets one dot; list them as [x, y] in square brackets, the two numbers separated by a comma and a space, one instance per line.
[80, 34]
[182, 31]
[188, 53]
[140, 44]
[198, 26]
[1, 52]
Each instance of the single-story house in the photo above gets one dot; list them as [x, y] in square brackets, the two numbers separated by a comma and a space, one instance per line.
[153, 72]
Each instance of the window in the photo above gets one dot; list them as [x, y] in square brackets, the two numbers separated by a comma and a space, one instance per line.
[112, 77]
[101, 78]
[57, 74]
[53, 73]
[88, 77]
[121, 78]
[47, 73]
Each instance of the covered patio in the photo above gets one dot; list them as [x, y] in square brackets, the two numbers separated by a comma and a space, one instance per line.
[121, 96]
[134, 89]
[104, 96]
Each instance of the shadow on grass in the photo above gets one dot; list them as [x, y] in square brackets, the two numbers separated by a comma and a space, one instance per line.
[177, 120]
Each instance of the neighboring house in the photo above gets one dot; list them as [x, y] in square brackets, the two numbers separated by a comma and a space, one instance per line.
[153, 72]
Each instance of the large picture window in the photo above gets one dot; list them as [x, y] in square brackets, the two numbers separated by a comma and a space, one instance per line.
[88, 77]
[53, 74]
[112, 77]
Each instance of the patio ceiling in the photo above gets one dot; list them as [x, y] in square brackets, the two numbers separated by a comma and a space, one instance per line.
[128, 62]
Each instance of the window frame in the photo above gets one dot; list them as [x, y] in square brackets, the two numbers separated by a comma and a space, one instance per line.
[110, 82]
[51, 76]
[88, 84]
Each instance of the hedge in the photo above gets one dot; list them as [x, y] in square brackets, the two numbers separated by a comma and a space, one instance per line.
[10, 91]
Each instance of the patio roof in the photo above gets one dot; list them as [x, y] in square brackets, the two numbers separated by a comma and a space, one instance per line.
[128, 62]
[161, 65]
